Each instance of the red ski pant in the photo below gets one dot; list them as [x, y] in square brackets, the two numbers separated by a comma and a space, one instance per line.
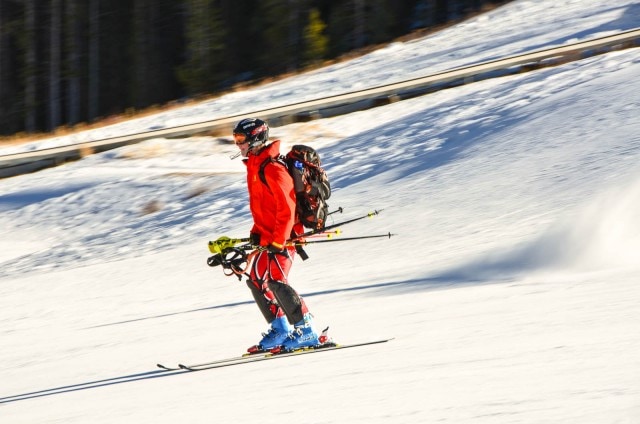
[269, 270]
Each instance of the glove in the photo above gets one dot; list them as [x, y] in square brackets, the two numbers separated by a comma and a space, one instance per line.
[254, 239]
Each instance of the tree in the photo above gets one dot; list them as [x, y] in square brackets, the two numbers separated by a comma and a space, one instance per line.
[359, 24]
[316, 43]
[4, 81]
[442, 11]
[274, 50]
[205, 33]
[142, 29]
[30, 69]
[64, 61]
[93, 97]
[12, 25]
[240, 36]
[380, 19]
[55, 52]
[73, 60]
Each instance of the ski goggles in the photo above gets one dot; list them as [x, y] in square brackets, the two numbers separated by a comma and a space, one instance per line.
[240, 138]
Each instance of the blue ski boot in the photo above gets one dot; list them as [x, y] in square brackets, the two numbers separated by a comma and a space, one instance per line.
[303, 335]
[277, 334]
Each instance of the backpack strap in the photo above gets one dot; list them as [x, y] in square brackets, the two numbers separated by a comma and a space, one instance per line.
[282, 161]
[279, 159]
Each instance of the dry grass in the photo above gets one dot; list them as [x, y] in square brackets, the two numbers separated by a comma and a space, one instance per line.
[196, 192]
[142, 151]
[152, 207]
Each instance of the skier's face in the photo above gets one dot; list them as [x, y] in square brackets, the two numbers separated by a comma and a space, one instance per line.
[242, 143]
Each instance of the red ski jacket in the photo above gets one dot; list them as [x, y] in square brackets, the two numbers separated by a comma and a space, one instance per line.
[273, 205]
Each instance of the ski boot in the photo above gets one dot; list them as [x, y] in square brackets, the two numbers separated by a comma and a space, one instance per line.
[277, 334]
[303, 335]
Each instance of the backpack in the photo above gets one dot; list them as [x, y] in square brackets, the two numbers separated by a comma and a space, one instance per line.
[310, 182]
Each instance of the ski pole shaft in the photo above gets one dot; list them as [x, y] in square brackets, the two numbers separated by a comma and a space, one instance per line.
[302, 243]
[348, 221]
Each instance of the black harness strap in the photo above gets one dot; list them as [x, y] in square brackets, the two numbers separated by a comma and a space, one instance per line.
[280, 159]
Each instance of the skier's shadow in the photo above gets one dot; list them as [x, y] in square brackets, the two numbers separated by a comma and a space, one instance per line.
[251, 302]
[423, 283]
[91, 385]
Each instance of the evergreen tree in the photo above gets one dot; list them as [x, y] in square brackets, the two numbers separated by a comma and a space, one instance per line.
[30, 70]
[67, 61]
[442, 11]
[4, 79]
[55, 60]
[241, 33]
[93, 97]
[12, 56]
[380, 18]
[274, 53]
[73, 70]
[316, 43]
[357, 23]
[340, 28]
[155, 26]
[204, 68]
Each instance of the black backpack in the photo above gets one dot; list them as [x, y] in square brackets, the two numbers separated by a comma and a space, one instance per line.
[310, 182]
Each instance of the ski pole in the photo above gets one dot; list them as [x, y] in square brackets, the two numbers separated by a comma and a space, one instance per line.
[224, 243]
[348, 221]
[302, 243]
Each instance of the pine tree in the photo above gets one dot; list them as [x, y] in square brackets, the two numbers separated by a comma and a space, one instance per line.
[205, 33]
[273, 51]
[442, 11]
[73, 60]
[316, 43]
[359, 24]
[30, 67]
[13, 41]
[4, 80]
[55, 60]
[93, 96]
[379, 18]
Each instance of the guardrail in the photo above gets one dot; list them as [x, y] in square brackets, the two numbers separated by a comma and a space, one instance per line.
[19, 163]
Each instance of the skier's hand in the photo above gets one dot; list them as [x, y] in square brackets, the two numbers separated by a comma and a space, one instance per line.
[254, 239]
[275, 248]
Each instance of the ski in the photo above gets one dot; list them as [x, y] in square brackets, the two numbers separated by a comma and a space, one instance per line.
[263, 356]
[240, 358]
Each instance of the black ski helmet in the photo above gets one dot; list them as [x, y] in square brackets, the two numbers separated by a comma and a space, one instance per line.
[256, 131]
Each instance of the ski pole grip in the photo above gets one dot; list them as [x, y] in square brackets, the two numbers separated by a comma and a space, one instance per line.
[220, 245]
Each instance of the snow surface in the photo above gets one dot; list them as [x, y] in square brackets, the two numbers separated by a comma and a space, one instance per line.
[510, 289]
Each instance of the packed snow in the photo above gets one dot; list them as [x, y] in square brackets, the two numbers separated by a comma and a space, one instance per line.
[510, 288]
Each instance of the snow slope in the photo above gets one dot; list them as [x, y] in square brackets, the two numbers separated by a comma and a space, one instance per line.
[510, 289]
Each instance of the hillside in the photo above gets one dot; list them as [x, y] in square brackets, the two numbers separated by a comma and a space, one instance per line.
[510, 290]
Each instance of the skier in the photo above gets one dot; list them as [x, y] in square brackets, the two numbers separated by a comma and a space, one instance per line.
[273, 207]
